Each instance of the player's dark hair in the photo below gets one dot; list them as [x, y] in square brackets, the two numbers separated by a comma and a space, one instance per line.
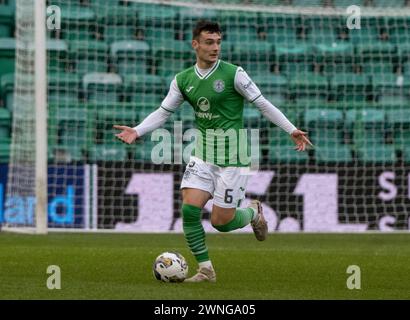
[205, 25]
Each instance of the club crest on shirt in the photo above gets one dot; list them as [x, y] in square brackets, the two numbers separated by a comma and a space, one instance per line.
[219, 86]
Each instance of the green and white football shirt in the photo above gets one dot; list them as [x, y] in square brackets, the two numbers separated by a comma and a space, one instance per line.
[218, 106]
[217, 98]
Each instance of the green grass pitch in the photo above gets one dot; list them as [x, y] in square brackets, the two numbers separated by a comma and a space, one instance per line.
[285, 266]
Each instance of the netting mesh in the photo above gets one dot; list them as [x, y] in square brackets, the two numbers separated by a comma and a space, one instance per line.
[112, 62]
[22, 147]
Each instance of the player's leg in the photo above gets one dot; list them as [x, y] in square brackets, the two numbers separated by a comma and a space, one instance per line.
[197, 189]
[229, 191]
[228, 219]
[193, 200]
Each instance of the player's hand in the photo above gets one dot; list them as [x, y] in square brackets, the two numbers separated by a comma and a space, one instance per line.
[127, 135]
[301, 140]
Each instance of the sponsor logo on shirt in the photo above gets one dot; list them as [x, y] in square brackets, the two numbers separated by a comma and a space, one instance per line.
[203, 104]
[189, 89]
[206, 115]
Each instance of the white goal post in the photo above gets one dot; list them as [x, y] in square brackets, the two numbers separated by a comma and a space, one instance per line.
[41, 161]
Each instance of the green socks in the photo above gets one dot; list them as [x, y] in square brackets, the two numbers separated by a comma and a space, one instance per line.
[194, 232]
[241, 219]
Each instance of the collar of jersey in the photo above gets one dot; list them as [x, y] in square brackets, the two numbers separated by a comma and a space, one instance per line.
[209, 72]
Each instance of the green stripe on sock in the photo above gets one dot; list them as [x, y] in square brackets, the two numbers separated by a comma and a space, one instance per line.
[194, 232]
[241, 219]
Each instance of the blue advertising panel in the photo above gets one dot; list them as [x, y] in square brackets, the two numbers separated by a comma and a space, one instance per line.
[66, 199]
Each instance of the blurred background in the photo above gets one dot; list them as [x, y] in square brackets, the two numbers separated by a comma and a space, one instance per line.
[111, 62]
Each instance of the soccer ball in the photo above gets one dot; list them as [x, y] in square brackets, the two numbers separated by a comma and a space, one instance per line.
[170, 267]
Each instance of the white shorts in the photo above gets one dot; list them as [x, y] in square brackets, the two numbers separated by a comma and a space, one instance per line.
[227, 185]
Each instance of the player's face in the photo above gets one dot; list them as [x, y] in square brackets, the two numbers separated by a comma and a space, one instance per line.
[207, 47]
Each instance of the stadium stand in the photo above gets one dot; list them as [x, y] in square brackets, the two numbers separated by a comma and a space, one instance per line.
[317, 71]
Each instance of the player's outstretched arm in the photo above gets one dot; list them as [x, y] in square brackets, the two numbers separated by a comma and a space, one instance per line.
[301, 140]
[127, 134]
[155, 119]
[249, 90]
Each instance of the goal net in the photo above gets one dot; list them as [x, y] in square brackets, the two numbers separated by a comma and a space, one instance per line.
[338, 69]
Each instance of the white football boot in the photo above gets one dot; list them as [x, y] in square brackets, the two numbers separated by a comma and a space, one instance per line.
[204, 274]
[259, 224]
